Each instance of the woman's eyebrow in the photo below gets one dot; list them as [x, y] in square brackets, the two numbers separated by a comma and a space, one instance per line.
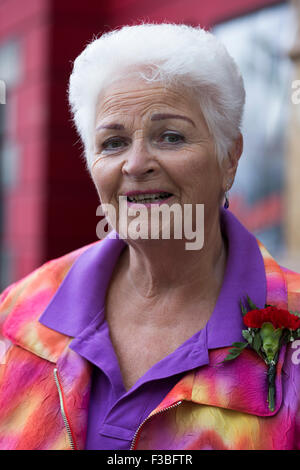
[154, 117]
[158, 117]
[114, 126]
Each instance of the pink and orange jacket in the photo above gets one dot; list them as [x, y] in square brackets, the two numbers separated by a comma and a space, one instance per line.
[44, 385]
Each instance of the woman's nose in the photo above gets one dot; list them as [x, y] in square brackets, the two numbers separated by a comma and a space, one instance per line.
[139, 161]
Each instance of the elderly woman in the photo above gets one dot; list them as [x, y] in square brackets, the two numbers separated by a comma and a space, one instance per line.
[123, 344]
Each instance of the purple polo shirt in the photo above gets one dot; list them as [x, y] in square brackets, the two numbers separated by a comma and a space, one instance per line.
[78, 310]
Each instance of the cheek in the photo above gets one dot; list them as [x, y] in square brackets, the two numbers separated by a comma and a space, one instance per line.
[201, 170]
[103, 179]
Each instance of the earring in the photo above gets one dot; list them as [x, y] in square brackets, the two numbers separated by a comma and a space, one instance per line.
[226, 203]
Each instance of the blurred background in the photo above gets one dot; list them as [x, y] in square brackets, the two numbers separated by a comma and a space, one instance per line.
[47, 199]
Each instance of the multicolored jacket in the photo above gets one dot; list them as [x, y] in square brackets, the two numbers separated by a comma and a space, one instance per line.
[44, 385]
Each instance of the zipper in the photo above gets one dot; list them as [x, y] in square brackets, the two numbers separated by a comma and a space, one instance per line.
[62, 409]
[149, 417]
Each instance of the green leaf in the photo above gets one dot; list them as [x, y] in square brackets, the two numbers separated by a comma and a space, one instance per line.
[235, 351]
[251, 304]
[257, 342]
[248, 336]
[233, 355]
[243, 308]
[239, 345]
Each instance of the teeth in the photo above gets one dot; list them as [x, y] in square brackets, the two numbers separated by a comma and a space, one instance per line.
[147, 197]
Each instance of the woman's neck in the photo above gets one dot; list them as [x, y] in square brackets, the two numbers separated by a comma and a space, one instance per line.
[156, 268]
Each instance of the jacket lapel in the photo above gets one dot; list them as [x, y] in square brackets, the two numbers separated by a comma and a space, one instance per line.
[74, 374]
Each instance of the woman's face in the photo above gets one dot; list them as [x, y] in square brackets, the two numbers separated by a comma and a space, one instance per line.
[153, 139]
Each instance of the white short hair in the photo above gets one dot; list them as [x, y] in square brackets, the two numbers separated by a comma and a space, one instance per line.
[171, 53]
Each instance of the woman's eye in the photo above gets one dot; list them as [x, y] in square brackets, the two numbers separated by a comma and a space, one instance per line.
[172, 138]
[114, 144]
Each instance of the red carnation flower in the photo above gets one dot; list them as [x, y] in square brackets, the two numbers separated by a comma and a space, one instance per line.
[278, 317]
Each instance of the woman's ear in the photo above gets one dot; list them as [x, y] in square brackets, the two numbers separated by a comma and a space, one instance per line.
[230, 163]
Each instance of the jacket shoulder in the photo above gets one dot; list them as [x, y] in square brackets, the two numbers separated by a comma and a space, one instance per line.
[292, 279]
[43, 281]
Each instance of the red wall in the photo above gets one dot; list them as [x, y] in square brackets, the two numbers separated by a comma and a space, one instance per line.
[51, 208]
[24, 200]
[203, 12]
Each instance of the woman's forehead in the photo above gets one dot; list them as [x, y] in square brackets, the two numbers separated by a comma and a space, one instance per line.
[137, 96]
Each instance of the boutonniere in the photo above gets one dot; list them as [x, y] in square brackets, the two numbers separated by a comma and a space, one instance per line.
[267, 330]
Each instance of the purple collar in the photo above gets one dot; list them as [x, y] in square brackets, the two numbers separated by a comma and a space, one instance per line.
[81, 296]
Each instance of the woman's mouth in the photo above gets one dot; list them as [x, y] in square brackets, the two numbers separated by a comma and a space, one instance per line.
[148, 198]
